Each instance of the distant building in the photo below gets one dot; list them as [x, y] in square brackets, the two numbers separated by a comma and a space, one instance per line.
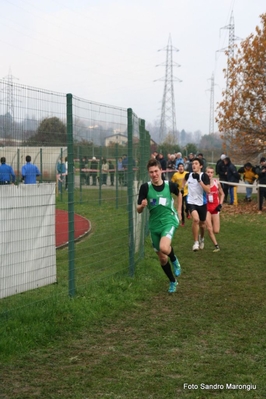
[121, 139]
[117, 138]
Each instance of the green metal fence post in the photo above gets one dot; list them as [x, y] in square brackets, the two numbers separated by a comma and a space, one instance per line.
[116, 175]
[100, 176]
[41, 168]
[142, 175]
[18, 166]
[80, 157]
[143, 160]
[130, 190]
[147, 155]
[70, 155]
[147, 148]
[60, 182]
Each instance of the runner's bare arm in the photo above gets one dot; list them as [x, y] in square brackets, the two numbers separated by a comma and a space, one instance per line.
[142, 206]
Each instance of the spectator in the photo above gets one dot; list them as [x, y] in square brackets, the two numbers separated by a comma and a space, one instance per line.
[111, 172]
[94, 170]
[171, 167]
[218, 162]
[83, 167]
[178, 159]
[61, 173]
[163, 164]
[221, 172]
[249, 176]
[200, 156]
[29, 172]
[186, 163]
[66, 176]
[154, 155]
[191, 157]
[87, 173]
[7, 174]
[120, 170]
[104, 170]
[232, 177]
[125, 164]
[261, 172]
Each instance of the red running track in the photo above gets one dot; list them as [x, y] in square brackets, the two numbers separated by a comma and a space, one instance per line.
[82, 227]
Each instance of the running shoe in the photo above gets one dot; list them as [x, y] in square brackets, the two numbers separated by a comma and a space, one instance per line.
[188, 216]
[195, 246]
[172, 286]
[177, 267]
[201, 243]
[216, 249]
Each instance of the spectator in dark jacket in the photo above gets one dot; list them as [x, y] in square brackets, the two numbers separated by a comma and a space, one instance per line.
[94, 170]
[219, 162]
[261, 172]
[221, 172]
[200, 156]
[232, 177]
[163, 164]
[191, 157]
[82, 168]
[111, 172]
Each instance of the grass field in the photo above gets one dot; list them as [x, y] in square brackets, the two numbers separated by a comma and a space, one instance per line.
[128, 338]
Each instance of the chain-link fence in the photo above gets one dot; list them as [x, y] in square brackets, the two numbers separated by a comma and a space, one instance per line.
[91, 159]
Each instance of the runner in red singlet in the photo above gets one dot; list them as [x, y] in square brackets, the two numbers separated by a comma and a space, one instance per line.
[214, 205]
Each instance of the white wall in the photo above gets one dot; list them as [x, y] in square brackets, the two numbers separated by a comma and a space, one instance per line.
[27, 237]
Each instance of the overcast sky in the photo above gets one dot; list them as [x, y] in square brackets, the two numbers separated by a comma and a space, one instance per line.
[107, 51]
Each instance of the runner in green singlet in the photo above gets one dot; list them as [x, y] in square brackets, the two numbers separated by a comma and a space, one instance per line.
[163, 221]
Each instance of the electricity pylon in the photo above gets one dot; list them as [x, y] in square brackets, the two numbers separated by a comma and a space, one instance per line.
[230, 55]
[9, 95]
[168, 115]
[231, 45]
[211, 120]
